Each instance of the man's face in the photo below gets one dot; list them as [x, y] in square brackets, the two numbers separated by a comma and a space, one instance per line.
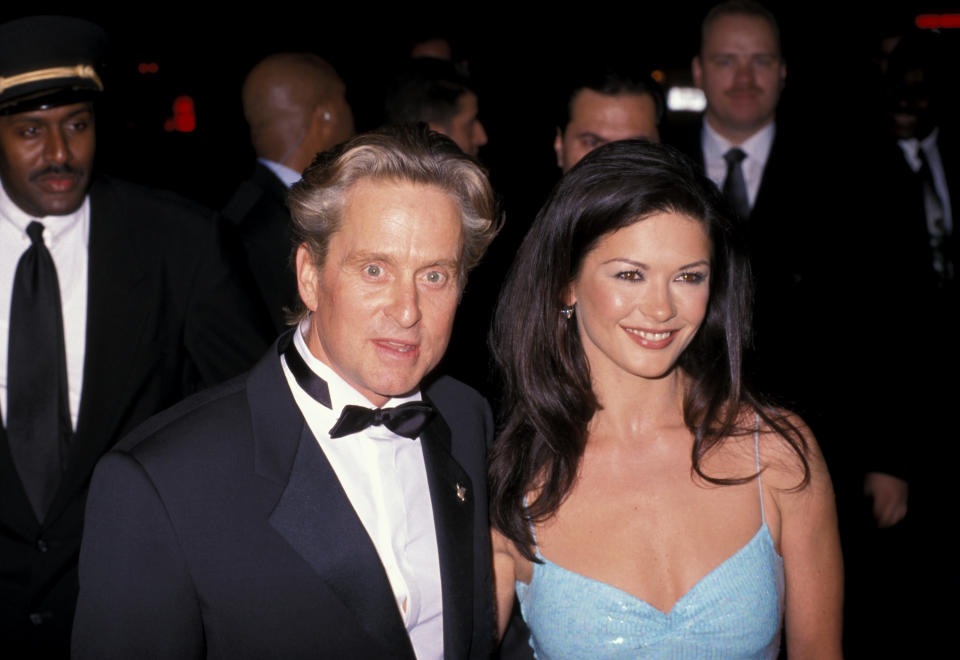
[384, 300]
[909, 107]
[464, 128]
[741, 74]
[46, 157]
[596, 119]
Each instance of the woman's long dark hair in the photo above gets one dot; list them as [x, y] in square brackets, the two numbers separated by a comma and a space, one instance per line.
[547, 399]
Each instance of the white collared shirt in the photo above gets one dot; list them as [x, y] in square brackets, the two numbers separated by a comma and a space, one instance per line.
[385, 479]
[757, 147]
[282, 172]
[911, 152]
[67, 238]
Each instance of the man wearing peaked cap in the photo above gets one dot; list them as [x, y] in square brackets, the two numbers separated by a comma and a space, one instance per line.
[113, 303]
[44, 58]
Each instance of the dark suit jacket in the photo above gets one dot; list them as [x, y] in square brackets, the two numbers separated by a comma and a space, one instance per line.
[828, 215]
[792, 237]
[900, 191]
[163, 318]
[923, 409]
[219, 530]
[259, 241]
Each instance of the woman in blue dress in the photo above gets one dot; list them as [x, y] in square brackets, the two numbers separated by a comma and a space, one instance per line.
[645, 503]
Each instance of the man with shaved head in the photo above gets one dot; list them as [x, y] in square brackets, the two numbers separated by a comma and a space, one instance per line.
[296, 107]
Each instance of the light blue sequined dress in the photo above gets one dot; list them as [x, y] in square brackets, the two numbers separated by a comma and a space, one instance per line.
[733, 612]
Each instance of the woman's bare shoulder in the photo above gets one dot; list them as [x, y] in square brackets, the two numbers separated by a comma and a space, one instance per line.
[789, 453]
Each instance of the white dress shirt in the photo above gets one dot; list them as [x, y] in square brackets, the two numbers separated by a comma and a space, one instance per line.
[282, 172]
[385, 479]
[757, 147]
[911, 152]
[67, 238]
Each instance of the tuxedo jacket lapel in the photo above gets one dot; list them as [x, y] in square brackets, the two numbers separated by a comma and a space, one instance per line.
[452, 494]
[314, 514]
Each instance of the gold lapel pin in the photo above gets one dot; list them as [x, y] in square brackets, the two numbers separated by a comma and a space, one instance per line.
[461, 493]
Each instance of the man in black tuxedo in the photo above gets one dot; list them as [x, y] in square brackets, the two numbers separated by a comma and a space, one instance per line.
[113, 300]
[296, 107]
[279, 515]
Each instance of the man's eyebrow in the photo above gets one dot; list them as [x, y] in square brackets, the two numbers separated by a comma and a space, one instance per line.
[722, 54]
[367, 257]
[24, 118]
[364, 257]
[446, 263]
[591, 134]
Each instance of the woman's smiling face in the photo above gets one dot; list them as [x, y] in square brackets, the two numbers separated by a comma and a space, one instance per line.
[641, 294]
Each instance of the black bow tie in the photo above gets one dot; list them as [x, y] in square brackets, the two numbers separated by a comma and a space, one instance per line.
[407, 419]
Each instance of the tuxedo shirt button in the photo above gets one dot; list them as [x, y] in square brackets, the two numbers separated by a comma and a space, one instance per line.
[42, 545]
[36, 619]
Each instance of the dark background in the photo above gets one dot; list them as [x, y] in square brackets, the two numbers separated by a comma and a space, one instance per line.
[518, 57]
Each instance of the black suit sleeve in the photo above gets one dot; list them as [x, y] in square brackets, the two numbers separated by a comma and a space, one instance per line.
[136, 597]
[221, 333]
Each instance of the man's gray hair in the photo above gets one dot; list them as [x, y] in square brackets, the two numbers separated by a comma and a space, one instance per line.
[412, 154]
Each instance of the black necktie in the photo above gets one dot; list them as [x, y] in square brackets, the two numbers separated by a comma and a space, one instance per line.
[735, 186]
[38, 413]
[407, 419]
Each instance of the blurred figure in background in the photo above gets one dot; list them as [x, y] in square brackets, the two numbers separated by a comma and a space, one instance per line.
[296, 106]
[775, 183]
[913, 184]
[435, 92]
[605, 106]
[927, 148]
[438, 47]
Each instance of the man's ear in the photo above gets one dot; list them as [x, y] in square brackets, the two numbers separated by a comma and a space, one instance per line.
[308, 278]
[319, 129]
[558, 147]
[696, 68]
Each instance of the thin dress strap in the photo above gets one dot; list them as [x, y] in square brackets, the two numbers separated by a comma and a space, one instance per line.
[756, 456]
